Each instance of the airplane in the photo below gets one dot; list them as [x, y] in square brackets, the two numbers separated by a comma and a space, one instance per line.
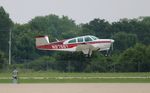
[86, 44]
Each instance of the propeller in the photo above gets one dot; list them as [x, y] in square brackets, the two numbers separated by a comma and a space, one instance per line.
[112, 46]
[108, 52]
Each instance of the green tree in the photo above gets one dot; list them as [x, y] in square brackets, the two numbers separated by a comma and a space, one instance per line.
[135, 59]
[23, 44]
[146, 29]
[139, 26]
[124, 41]
[42, 63]
[71, 62]
[54, 26]
[147, 59]
[5, 25]
[2, 60]
[23, 40]
[97, 27]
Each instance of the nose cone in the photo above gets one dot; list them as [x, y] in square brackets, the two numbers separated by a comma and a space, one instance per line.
[112, 41]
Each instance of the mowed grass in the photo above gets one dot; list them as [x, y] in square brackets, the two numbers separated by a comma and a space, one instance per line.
[63, 74]
[55, 77]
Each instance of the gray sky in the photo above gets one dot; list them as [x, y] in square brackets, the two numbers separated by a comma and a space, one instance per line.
[82, 11]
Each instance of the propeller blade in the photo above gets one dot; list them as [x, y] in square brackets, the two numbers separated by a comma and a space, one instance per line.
[112, 46]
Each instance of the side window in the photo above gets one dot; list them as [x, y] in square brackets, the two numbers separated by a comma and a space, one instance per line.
[72, 41]
[87, 39]
[80, 39]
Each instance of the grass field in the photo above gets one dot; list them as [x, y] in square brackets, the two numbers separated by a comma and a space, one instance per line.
[55, 77]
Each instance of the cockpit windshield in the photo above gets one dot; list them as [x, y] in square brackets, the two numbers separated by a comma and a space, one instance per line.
[94, 38]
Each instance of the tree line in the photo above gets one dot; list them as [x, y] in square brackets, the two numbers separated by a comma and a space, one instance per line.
[131, 51]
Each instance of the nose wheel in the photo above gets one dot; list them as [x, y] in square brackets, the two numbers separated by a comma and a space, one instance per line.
[107, 53]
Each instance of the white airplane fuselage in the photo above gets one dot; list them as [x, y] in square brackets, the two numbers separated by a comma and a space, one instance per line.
[86, 44]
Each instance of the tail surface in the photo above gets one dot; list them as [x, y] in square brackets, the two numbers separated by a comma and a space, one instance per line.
[42, 40]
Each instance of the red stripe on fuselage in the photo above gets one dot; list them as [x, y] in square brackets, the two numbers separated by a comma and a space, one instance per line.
[60, 45]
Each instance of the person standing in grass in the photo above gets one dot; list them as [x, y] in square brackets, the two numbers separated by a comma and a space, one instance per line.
[15, 76]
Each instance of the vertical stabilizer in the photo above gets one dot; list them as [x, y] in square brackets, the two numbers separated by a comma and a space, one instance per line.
[42, 40]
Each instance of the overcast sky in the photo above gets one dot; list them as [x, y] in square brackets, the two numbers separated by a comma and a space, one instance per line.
[82, 11]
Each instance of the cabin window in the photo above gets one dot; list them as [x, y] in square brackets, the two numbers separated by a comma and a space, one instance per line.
[87, 39]
[80, 39]
[72, 41]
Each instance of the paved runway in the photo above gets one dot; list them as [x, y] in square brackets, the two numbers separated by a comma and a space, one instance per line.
[78, 77]
[76, 88]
